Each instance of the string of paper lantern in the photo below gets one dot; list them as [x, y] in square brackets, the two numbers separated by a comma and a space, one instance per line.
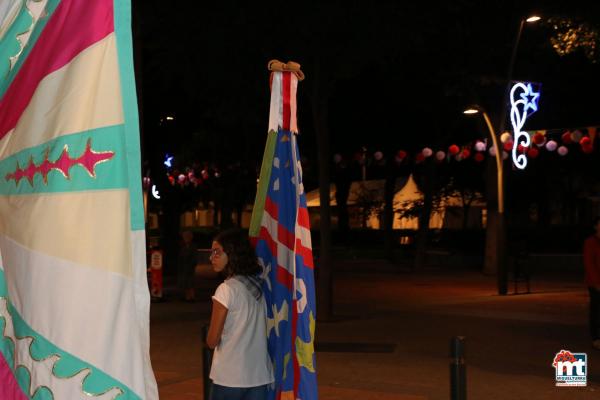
[561, 142]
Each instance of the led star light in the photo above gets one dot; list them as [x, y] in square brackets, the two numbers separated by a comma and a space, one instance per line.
[168, 161]
[531, 99]
[524, 102]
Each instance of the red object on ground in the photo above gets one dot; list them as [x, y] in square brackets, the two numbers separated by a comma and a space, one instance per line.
[156, 273]
[454, 149]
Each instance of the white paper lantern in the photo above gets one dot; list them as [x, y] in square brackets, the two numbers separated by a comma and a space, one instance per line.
[440, 155]
[505, 137]
[492, 151]
[378, 155]
[551, 145]
[480, 146]
[427, 152]
[563, 151]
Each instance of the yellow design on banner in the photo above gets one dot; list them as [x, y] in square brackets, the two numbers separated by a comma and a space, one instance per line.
[278, 316]
[286, 361]
[306, 350]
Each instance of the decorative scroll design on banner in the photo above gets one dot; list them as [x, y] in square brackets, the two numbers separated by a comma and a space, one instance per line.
[36, 10]
[522, 99]
[88, 159]
[24, 362]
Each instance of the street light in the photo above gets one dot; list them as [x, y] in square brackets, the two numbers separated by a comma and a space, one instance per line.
[511, 65]
[498, 220]
[475, 109]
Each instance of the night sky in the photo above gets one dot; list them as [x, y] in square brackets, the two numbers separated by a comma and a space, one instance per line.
[395, 74]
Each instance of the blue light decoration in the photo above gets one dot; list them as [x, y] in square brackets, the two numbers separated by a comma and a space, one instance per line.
[524, 102]
[168, 160]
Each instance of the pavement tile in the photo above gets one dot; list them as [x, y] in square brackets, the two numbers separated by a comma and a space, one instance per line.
[337, 393]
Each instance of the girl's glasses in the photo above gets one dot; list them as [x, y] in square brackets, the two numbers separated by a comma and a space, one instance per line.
[216, 252]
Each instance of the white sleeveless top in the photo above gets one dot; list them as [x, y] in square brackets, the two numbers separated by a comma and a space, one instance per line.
[241, 358]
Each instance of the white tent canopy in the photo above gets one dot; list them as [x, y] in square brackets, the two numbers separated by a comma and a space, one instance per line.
[405, 196]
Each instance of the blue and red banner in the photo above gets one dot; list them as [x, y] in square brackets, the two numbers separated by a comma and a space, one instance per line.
[281, 230]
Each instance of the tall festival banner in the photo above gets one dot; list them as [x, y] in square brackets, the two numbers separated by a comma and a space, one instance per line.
[281, 231]
[74, 300]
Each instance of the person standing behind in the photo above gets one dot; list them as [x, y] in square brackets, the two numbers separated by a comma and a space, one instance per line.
[241, 366]
[591, 260]
[187, 260]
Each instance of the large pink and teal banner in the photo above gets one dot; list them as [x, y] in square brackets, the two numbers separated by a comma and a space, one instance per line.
[74, 301]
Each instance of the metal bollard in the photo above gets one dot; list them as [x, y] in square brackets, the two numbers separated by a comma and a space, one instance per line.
[458, 369]
[206, 363]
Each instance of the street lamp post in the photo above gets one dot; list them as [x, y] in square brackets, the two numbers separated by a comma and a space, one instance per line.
[498, 218]
[511, 67]
[497, 224]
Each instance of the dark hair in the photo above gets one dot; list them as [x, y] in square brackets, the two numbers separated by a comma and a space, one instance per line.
[241, 258]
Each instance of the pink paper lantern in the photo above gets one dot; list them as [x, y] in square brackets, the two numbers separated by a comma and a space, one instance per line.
[563, 151]
[551, 145]
[480, 146]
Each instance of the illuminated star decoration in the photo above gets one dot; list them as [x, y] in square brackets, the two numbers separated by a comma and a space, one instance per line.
[89, 159]
[531, 99]
[168, 161]
[527, 99]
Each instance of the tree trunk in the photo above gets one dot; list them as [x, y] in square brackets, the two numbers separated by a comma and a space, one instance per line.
[320, 119]
[424, 217]
[490, 266]
[388, 212]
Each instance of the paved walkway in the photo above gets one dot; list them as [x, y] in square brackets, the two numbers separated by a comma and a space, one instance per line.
[390, 336]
